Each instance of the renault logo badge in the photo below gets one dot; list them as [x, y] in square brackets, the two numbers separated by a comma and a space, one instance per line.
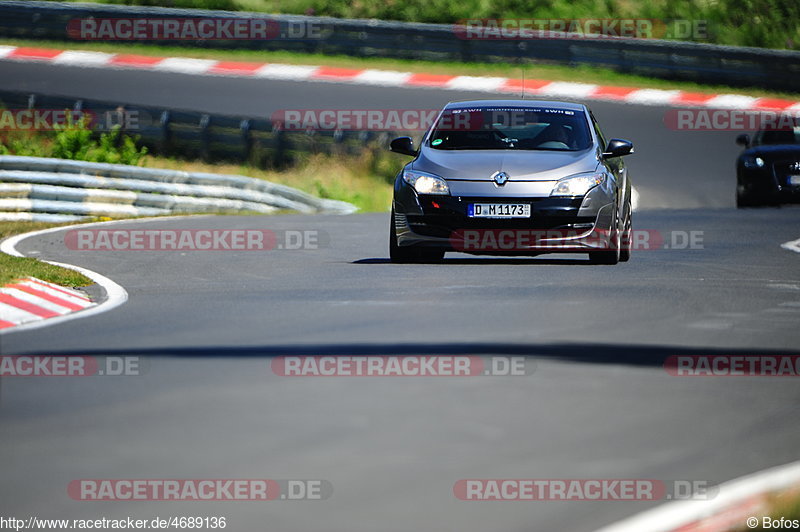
[500, 178]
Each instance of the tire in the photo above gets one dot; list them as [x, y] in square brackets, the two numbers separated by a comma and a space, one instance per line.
[610, 256]
[430, 254]
[627, 235]
[743, 201]
[407, 254]
[744, 198]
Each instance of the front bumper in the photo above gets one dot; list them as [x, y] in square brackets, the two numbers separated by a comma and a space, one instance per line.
[565, 225]
[769, 184]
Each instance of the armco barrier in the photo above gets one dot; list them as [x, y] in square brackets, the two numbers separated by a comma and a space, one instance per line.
[33, 188]
[699, 62]
[193, 134]
[60, 190]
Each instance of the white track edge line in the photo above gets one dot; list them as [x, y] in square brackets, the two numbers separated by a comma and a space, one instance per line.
[669, 516]
[116, 295]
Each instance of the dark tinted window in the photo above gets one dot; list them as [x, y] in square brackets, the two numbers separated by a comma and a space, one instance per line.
[777, 136]
[600, 137]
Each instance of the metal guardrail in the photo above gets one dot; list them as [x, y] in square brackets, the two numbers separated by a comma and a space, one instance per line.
[210, 137]
[704, 63]
[43, 189]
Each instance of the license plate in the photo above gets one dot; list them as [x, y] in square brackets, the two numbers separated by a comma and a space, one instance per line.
[499, 210]
[794, 180]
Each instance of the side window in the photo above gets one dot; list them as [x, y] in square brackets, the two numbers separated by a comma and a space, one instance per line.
[600, 137]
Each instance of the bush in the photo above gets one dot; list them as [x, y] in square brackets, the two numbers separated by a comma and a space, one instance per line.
[22, 144]
[77, 142]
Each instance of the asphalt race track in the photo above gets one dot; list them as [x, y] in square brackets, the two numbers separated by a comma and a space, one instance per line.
[598, 405]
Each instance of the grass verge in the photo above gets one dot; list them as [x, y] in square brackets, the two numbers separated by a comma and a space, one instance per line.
[784, 505]
[764, 23]
[365, 180]
[13, 268]
[584, 74]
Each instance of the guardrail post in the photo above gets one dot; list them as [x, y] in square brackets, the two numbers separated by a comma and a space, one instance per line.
[338, 139]
[247, 140]
[164, 142]
[466, 51]
[280, 147]
[205, 137]
[77, 107]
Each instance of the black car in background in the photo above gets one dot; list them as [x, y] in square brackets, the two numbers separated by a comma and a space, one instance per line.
[768, 170]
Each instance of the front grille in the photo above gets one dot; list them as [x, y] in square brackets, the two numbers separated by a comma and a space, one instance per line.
[784, 169]
[445, 215]
[444, 226]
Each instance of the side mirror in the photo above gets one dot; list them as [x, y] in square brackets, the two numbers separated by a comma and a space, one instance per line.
[743, 140]
[403, 145]
[618, 148]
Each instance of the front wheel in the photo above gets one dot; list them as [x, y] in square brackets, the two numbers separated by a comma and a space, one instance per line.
[406, 254]
[627, 239]
[744, 197]
[611, 255]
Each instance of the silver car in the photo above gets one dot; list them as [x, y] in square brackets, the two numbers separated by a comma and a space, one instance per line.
[512, 177]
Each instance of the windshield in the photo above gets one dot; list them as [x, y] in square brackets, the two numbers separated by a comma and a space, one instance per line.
[496, 128]
[777, 136]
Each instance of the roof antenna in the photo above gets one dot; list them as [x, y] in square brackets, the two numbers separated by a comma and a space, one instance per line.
[523, 82]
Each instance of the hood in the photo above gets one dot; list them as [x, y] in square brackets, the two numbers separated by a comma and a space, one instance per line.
[520, 165]
[774, 151]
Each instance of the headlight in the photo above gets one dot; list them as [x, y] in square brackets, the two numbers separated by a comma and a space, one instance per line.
[753, 162]
[426, 183]
[577, 185]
